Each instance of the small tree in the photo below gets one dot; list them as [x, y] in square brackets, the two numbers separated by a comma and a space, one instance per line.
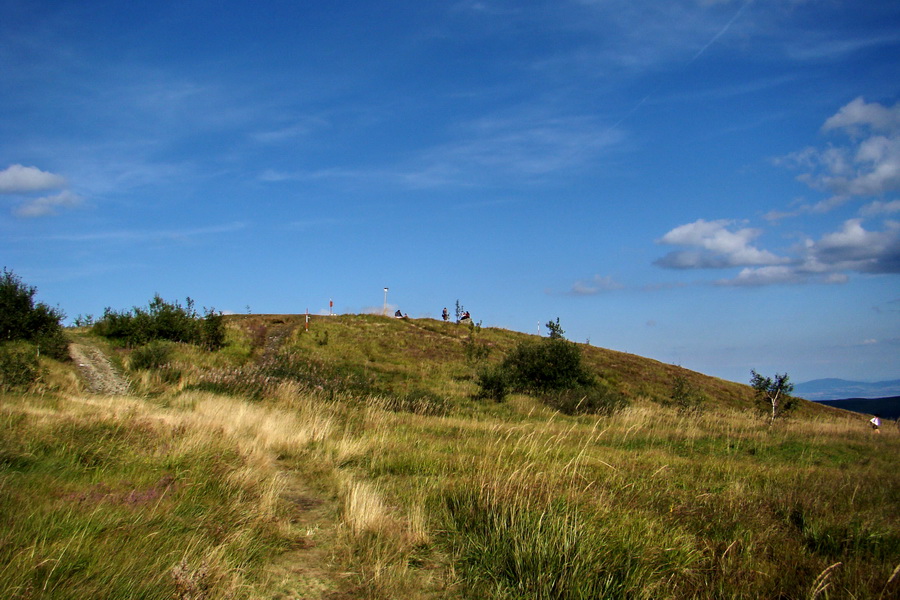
[684, 396]
[556, 330]
[775, 393]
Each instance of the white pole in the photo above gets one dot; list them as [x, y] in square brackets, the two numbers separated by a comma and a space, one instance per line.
[384, 312]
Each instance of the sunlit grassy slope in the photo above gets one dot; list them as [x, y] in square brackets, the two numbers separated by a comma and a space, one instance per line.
[400, 354]
[351, 460]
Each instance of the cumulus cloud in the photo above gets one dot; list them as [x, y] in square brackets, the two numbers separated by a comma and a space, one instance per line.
[17, 179]
[866, 164]
[47, 205]
[595, 285]
[853, 248]
[858, 113]
[850, 249]
[714, 245]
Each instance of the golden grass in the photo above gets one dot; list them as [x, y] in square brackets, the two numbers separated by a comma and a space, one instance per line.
[668, 505]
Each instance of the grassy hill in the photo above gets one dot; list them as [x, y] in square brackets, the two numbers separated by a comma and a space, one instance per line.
[403, 354]
[353, 460]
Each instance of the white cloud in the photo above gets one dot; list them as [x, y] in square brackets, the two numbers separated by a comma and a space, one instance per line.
[868, 165]
[857, 114]
[850, 249]
[878, 208]
[596, 285]
[17, 179]
[47, 205]
[853, 248]
[712, 245]
[762, 276]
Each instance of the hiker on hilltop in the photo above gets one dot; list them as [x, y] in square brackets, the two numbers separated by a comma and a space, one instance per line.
[445, 314]
[398, 314]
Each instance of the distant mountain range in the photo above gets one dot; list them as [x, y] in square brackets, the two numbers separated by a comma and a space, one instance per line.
[840, 389]
[886, 408]
[881, 397]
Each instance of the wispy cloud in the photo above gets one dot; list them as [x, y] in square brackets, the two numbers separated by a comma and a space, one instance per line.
[47, 205]
[596, 285]
[528, 144]
[129, 236]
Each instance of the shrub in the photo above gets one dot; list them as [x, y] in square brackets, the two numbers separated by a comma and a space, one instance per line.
[19, 365]
[493, 384]
[22, 319]
[586, 400]
[545, 365]
[154, 355]
[474, 350]
[212, 330]
[163, 320]
[684, 396]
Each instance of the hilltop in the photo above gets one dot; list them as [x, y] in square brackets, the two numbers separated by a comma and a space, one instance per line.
[441, 357]
[350, 457]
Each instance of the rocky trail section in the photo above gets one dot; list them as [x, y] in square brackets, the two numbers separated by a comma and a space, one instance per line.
[97, 372]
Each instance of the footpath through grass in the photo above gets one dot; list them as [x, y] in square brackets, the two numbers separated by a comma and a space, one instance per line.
[336, 466]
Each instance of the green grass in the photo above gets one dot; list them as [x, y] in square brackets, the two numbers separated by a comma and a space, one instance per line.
[98, 503]
[406, 485]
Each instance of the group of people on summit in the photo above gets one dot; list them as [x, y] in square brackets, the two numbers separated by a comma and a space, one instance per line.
[465, 317]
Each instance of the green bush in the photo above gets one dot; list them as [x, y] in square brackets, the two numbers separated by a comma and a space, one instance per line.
[586, 400]
[545, 365]
[212, 330]
[22, 319]
[154, 355]
[475, 351]
[685, 397]
[493, 384]
[19, 365]
[163, 320]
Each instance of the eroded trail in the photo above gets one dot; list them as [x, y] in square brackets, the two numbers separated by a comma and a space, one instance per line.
[98, 373]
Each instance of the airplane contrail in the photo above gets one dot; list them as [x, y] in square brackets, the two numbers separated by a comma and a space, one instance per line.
[719, 34]
[721, 31]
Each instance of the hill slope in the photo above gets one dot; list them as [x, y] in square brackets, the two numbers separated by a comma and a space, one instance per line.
[403, 354]
[350, 460]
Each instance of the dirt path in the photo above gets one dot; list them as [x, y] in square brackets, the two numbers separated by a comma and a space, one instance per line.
[310, 569]
[99, 376]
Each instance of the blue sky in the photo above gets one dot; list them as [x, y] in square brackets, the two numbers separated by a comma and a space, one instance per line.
[710, 183]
